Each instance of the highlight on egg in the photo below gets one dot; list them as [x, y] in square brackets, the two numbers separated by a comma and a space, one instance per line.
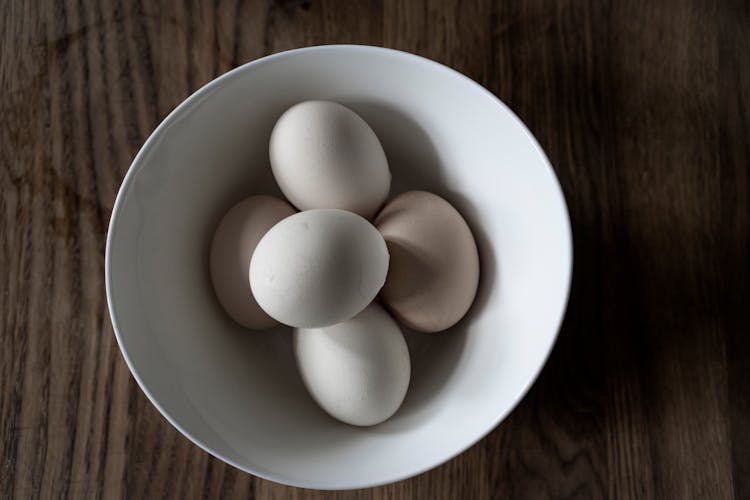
[318, 268]
[358, 370]
[233, 244]
[324, 155]
[434, 267]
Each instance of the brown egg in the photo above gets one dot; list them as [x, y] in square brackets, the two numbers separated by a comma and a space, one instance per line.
[234, 241]
[434, 268]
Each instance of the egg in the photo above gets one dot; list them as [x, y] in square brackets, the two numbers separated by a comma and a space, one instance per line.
[232, 246]
[318, 267]
[357, 370]
[324, 155]
[434, 267]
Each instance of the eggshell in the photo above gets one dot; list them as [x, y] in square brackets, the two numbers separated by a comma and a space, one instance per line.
[233, 244]
[318, 267]
[323, 155]
[434, 268]
[358, 370]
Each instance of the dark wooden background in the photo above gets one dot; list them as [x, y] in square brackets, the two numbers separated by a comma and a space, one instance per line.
[644, 110]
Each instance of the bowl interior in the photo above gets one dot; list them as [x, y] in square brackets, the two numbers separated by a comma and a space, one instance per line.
[237, 393]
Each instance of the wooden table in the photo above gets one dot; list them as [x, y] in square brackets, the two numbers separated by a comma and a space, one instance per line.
[644, 110]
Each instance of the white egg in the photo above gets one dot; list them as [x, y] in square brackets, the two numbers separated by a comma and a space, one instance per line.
[324, 155]
[318, 267]
[358, 370]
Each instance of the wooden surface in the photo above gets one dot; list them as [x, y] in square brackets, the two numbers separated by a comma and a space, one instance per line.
[642, 107]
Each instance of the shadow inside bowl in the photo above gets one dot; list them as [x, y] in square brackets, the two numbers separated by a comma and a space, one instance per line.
[256, 371]
[416, 165]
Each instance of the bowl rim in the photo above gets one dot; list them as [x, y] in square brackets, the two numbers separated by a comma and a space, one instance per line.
[194, 99]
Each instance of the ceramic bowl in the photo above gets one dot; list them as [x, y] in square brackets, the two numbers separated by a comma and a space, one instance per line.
[236, 393]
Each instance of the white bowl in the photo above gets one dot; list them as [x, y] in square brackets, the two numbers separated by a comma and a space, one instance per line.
[237, 394]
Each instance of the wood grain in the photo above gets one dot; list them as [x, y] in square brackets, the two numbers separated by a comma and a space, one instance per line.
[643, 109]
